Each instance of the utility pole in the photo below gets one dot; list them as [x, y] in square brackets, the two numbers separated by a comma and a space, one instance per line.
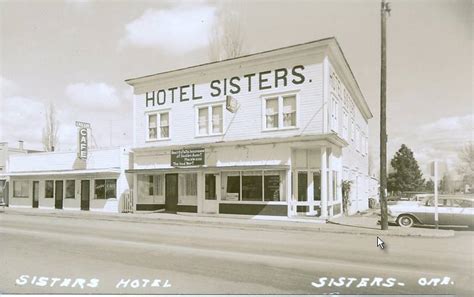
[385, 10]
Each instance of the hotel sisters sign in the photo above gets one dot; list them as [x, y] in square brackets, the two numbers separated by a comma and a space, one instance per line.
[187, 157]
[263, 80]
[82, 140]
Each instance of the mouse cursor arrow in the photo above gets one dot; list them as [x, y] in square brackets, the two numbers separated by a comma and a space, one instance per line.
[380, 243]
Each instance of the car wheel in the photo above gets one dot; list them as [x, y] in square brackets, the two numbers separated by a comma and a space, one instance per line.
[406, 221]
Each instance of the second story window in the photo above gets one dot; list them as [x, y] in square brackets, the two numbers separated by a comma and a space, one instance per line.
[280, 112]
[158, 126]
[334, 114]
[210, 120]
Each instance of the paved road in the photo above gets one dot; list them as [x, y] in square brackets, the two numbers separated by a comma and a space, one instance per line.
[162, 258]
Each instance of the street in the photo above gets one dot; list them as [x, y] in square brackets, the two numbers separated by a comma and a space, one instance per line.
[78, 255]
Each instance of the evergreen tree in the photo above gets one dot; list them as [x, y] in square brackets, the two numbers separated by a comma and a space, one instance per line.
[407, 175]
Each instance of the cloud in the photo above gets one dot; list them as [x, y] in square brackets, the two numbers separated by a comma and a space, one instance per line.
[7, 86]
[22, 119]
[438, 140]
[97, 96]
[179, 29]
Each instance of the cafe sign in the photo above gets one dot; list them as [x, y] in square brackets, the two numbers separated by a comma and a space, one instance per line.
[82, 139]
[187, 157]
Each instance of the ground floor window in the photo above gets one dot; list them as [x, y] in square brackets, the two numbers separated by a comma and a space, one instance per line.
[256, 185]
[188, 185]
[70, 189]
[105, 188]
[49, 189]
[20, 189]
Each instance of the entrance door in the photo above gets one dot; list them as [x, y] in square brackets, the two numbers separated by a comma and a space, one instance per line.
[35, 193]
[171, 192]
[58, 198]
[210, 204]
[85, 192]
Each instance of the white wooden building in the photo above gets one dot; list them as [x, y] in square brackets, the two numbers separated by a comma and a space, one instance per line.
[272, 133]
[60, 180]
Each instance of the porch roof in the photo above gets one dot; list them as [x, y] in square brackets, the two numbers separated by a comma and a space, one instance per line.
[210, 168]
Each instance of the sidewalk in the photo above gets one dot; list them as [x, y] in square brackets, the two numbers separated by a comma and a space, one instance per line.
[355, 225]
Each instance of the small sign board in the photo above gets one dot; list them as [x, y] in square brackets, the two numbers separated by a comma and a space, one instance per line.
[231, 104]
[82, 124]
[187, 157]
[82, 149]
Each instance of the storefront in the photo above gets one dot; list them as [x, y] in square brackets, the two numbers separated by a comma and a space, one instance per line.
[59, 180]
[273, 133]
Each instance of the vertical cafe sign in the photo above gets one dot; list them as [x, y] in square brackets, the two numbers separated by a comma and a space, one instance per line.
[82, 139]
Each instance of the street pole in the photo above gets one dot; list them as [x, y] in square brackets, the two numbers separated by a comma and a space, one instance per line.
[435, 169]
[385, 9]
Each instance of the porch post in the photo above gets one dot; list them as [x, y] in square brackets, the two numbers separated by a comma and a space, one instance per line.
[324, 184]
[331, 197]
[289, 198]
[135, 191]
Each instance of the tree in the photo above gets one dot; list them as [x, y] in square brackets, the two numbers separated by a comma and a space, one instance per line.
[407, 175]
[466, 163]
[226, 38]
[446, 185]
[429, 186]
[50, 131]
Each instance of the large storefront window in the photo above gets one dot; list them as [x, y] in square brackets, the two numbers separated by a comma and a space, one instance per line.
[49, 189]
[70, 189]
[302, 186]
[252, 186]
[261, 186]
[105, 188]
[317, 186]
[20, 189]
[188, 185]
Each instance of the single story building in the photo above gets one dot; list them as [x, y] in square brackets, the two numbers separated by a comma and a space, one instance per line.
[272, 133]
[61, 180]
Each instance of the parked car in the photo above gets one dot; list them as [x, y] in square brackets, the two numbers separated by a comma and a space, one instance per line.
[454, 211]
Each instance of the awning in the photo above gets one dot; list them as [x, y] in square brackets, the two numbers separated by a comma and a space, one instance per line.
[67, 172]
[210, 168]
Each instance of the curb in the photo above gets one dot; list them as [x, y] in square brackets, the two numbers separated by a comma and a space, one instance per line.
[237, 223]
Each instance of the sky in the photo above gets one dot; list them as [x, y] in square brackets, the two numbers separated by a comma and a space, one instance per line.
[77, 54]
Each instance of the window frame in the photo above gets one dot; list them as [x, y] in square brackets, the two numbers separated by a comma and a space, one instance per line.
[210, 108]
[280, 98]
[65, 188]
[54, 188]
[158, 114]
[27, 182]
[105, 188]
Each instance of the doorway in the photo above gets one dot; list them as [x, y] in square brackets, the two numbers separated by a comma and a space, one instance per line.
[58, 198]
[35, 193]
[171, 192]
[85, 194]
[211, 187]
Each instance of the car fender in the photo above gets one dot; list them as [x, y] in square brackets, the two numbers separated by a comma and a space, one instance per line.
[417, 218]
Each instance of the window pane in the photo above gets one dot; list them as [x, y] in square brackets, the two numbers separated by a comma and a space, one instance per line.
[20, 189]
[152, 126]
[110, 188]
[317, 186]
[271, 113]
[203, 119]
[159, 184]
[289, 111]
[164, 125]
[99, 189]
[302, 186]
[48, 189]
[150, 185]
[70, 189]
[252, 186]
[233, 187]
[272, 187]
[188, 184]
[217, 119]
